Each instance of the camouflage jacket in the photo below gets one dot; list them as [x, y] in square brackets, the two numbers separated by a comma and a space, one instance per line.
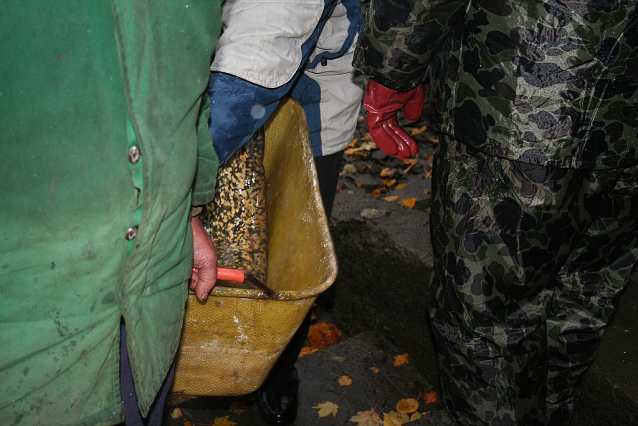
[545, 82]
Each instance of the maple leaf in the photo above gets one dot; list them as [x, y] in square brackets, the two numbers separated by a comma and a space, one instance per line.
[395, 419]
[375, 370]
[323, 334]
[345, 381]
[401, 359]
[430, 397]
[327, 408]
[408, 202]
[223, 421]
[176, 413]
[407, 406]
[366, 418]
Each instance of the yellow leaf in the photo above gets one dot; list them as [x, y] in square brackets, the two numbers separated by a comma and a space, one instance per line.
[176, 413]
[387, 172]
[352, 143]
[345, 381]
[395, 419]
[366, 418]
[327, 408]
[418, 130]
[401, 359]
[434, 140]
[408, 202]
[400, 186]
[407, 406]
[391, 198]
[223, 421]
[416, 416]
[430, 397]
[428, 174]
[390, 182]
[375, 370]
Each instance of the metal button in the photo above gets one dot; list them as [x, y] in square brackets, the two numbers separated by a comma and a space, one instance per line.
[131, 233]
[134, 155]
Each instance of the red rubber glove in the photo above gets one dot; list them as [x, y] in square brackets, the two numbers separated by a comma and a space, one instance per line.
[382, 105]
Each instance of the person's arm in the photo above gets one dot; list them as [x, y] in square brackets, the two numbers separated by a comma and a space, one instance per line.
[257, 63]
[397, 42]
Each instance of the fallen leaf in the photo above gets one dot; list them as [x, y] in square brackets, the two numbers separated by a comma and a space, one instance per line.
[427, 191]
[327, 408]
[368, 146]
[237, 407]
[358, 185]
[395, 419]
[378, 192]
[418, 130]
[345, 381]
[407, 406]
[375, 370]
[307, 350]
[352, 143]
[223, 421]
[349, 168]
[373, 213]
[401, 359]
[176, 413]
[391, 198]
[400, 186]
[429, 158]
[428, 174]
[390, 182]
[387, 172]
[361, 118]
[187, 422]
[366, 137]
[416, 416]
[408, 202]
[430, 397]
[366, 418]
[434, 140]
[323, 334]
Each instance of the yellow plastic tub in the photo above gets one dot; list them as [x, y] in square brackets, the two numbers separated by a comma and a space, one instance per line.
[230, 342]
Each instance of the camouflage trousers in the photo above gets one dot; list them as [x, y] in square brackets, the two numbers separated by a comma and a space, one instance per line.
[530, 263]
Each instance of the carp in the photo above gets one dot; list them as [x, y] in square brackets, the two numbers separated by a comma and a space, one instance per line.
[236, 219]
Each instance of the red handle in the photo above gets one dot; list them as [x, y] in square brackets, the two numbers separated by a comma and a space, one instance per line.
[228, 274]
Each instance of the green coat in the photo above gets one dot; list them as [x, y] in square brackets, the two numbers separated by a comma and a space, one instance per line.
[81, 84]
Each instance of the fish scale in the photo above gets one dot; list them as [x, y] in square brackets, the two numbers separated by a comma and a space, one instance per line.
[236, 219]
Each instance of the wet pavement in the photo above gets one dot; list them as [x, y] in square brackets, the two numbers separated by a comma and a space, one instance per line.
[378, 301]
